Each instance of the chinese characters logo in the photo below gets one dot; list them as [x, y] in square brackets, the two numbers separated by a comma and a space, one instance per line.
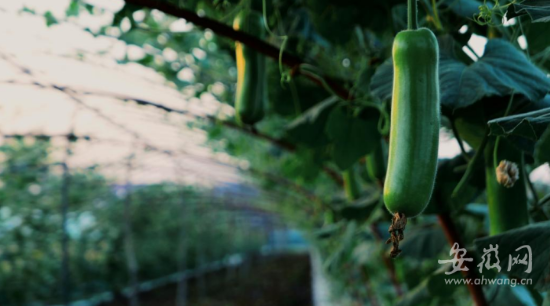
[490, 259]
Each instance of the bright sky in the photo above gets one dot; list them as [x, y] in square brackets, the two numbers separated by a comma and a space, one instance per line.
[66, 55]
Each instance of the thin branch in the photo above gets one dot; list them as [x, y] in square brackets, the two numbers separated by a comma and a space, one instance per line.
[65, 269]
[387, 262]
[459, 140]
[129, 245]
[71, 91]
[289, 184]
[268, 176]
[246, 39]
[472, 50]
[536, 206]
[472, 165]
[531, 187]
[544, 200]
[539, 207]
[334, 175]
[451, 233]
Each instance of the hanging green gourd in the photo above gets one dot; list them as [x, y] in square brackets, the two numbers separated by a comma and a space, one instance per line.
[414, 131]
[251, 95]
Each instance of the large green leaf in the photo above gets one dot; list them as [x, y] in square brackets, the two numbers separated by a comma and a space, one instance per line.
[382, 81]
[536, 236]
[508, 295]
[434, 288]
[529, 125]
[464, 8]
[353, 136]
[309, 128]
[347, 15]
[525, 129]
[446, 181]
[542, 149]
[537, 42]
[344, 247]
[359, 210]
[501, 71]
[538, 10]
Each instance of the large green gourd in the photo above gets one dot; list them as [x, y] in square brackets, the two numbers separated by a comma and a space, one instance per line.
[251, 97]
[414, 132]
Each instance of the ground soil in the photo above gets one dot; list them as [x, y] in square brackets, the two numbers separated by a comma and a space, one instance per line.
[283, 280]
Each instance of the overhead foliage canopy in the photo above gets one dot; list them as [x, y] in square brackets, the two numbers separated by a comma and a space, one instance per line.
[330, 83]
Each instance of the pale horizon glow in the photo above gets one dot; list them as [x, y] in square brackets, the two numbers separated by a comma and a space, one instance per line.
[66, 55]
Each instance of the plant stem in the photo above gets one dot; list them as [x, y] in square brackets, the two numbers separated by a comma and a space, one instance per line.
[459, 140]
[472, 50]
[350, 185]
[437, 21]
[451, 233]
[65, 269]
[387, 262]
[545, 200]
[531, 187]
[473, 164]
[412, 15]
[251, 41]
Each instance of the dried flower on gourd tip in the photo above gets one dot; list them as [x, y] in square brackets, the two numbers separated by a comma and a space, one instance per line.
[507, 173]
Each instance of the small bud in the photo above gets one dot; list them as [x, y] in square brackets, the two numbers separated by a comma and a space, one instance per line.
[507, 173]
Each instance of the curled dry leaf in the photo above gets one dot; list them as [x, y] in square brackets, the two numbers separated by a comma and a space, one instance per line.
[396, 230]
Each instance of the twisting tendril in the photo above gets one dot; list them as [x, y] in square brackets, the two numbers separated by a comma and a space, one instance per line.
[487, 13]
[286, 76]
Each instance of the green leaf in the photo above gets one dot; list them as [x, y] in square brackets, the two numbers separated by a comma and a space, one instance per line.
[538, 10]
[423, 243]
[354, 136]
[359, 210]
[28, 10]
[73, 8]
[89, 8]
[501, 71]
[382, 81]
[50, 19]
[347, 15]
[344, 246]
[309, 128]
[507, 295]
[328, 230]
[529, 125]
[536, 236]
[537, 42]
[399, 16]
[418, 296]
[449, 174]
[431, 289]
[542, 148]
[126, 11]
[464, 8]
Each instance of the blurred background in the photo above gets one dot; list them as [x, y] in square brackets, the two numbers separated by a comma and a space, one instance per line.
[106, 202]
[118, 185]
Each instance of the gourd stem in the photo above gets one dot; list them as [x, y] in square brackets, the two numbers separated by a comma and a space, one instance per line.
[412, 15]
[506, 113]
